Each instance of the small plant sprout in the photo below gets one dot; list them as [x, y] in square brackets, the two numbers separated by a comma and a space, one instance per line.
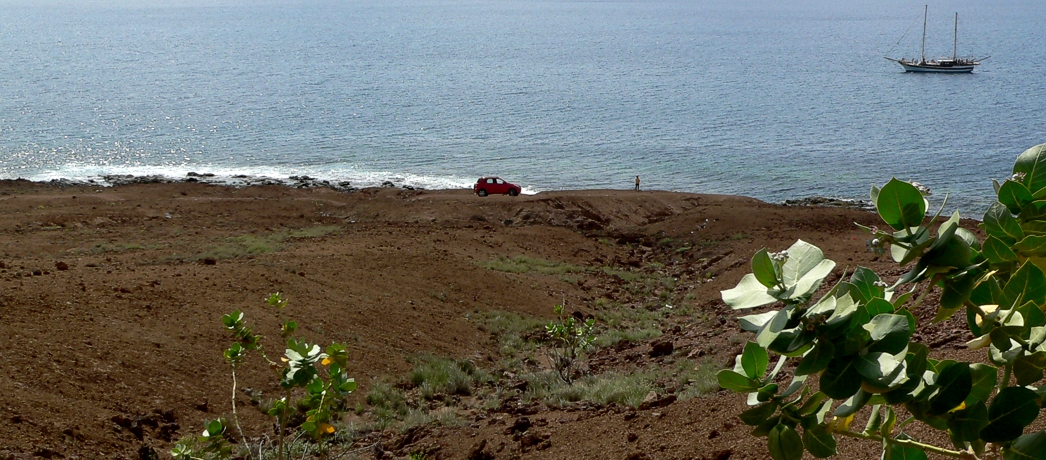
[314, 381]
[570, 338]
[212, 444]
[858, 340]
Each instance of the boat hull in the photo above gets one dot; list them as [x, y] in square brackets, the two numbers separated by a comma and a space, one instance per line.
[936, 69]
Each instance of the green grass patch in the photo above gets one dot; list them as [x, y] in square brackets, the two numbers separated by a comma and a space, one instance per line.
[627, 389]
[697, 379]
[100, 248]
[514, 333]
[433, 375]
[524, 264]
[624, 275]
[250, 245]
[384, 396]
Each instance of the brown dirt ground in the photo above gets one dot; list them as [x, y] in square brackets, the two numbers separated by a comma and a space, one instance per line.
[110, 314]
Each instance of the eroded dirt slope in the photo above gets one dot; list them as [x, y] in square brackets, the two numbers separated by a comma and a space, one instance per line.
[110, 300]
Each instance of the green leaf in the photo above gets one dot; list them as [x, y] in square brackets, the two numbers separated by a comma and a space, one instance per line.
[955, 292]
[736, 382]
[998, 222]
[749, 293]
[1027, 369]
[1027, 284]
[819, 441]
[875, 420]
[853, 404]
[785, 443]
[754, 360]
[1031, 246]
[813, 404]
[759, 414]
[915, 365]
[864, 280]
[348, 386]
[763, 269]
[797, 383]
[817, 359]
[888, 424]
[1014, 195]
[840, 380]
[997, 252]
[954, 384]
[966, 424]
[889, 333]
[764, 428]
[917, 242]
[883, 371]
[214, 428]
[877, 307]
[1012, 409]
[805, 269]
[984, 377]
[948, 251]
[766, 392]
[1031, 446]
[1033, 316]
[1032, 163]
[774, 327]
[752, 323]
[900, 205]
[897, 452]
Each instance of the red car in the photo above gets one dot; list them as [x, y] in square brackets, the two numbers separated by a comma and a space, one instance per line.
[495, 185]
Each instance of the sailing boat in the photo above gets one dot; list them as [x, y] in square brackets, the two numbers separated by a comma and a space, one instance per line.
[942, 65]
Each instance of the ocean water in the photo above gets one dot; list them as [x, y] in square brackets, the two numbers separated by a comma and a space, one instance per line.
[767, 99]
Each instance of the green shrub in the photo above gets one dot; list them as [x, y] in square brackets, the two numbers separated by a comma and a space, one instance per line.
[857, 340]
[570, 338]
[314, 381]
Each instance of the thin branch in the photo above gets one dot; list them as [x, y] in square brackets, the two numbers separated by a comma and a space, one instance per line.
[907, 443]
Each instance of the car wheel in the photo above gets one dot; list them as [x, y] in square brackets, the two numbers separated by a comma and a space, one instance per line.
[481, 192]
[513, 192]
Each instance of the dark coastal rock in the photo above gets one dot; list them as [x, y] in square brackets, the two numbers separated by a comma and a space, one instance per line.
[62, 183]
[831, 203]
[127, 179]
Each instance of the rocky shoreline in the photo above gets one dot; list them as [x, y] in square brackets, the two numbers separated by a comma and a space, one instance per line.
[307, 182]
[237, 181]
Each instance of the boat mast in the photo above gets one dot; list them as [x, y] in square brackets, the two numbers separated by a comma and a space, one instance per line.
[955, 40]
[925, 9]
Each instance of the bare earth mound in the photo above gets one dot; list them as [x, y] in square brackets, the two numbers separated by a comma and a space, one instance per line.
[110, 300]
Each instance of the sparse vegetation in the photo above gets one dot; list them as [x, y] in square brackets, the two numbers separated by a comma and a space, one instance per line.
[523, 264]
[314, 381]
[251, 244]
[434, 376]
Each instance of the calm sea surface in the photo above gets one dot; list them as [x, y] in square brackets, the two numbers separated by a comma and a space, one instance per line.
[768, 99]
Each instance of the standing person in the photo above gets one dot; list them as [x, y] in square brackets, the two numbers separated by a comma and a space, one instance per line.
[637, 183]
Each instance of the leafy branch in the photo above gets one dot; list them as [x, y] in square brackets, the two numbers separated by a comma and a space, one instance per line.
[856, 340]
